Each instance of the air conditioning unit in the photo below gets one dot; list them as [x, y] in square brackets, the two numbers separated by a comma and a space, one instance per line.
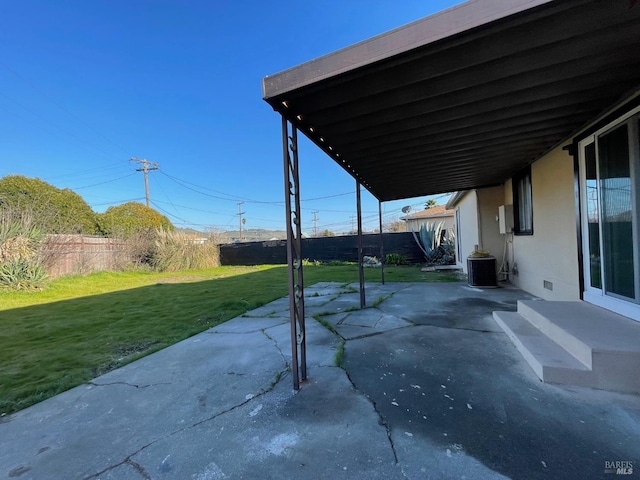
[482, 272]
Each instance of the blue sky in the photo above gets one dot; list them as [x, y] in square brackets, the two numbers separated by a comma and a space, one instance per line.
[87, 84]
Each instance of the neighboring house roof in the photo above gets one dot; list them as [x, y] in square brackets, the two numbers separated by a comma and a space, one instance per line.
[465, 98]
[439, 211]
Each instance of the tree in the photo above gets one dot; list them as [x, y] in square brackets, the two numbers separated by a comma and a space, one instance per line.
[327, 233]
[132, 218]
[51, 209]
[430, 204]
[398, 226]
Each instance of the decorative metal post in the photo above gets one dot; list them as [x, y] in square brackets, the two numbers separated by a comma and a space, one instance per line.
[382, 259]
[294, 253]
[363, 302]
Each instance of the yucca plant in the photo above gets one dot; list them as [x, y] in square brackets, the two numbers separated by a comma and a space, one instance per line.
[20, 265]
[428, 239]
[437, 245]
[21, 274]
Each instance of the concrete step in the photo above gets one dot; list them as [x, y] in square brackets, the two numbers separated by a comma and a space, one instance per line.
[549, 361]
[545, 318]
[605, 345]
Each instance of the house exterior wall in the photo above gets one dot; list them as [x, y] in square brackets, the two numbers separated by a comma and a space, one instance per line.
[468, 233]
[551, 253]
[478, 226]
[489, 199]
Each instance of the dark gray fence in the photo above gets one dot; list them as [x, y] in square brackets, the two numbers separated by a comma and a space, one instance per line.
[323, 249]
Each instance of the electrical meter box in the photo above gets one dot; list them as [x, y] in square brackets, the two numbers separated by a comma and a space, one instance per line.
[505, 218]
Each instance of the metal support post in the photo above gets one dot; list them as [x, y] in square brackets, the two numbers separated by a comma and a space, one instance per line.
[382, 259]
[294, 253]
[363, 302]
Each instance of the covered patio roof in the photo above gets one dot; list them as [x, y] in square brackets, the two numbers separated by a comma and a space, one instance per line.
[464, 98]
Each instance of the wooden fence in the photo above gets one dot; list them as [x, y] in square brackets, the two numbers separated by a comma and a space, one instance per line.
[79, 254]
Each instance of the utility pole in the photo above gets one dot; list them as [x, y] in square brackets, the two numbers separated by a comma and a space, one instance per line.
[147, 166]
[240, 213]
[315, 223]
[353, 219]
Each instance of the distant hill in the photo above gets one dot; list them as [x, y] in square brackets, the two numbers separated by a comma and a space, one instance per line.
[249, 235]
[255, 235]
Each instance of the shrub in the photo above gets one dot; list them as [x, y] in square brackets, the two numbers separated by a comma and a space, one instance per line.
[52, 209]
[174, 251]
[307, 263]
[132, 219]
[20, 247]
[395, 259]
[21, 274]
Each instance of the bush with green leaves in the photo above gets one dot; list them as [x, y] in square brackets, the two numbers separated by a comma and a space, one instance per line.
[130, 219]
[395, 259]
[52, 209]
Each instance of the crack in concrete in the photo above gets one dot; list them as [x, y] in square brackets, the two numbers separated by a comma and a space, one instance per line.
[459, 328]
[139, 468]
[128, 460]
[127, 384]
[278, 378]
[275, 343]
[382, 420]
[373, 334]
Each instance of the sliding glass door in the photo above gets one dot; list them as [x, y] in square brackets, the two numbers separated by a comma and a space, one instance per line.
[610, 170]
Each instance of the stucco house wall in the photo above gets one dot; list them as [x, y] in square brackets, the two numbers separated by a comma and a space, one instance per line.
[489, 199]
[551, 253]
[477, 225]
[545, 263]
[467, 232]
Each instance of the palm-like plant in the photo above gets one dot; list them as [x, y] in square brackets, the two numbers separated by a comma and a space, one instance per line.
[437, 245]
[20, 241]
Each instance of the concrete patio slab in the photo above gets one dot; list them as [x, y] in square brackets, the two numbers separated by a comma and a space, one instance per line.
[358, 323]
[440, 395]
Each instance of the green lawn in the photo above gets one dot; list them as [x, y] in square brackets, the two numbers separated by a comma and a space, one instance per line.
[80, 327]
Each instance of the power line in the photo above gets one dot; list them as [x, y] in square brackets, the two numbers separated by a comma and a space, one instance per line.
[70, 134]
[42, 92]
[118, 202]
[172, 215]
[192, 208]
[235, 198]
[102, 183]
